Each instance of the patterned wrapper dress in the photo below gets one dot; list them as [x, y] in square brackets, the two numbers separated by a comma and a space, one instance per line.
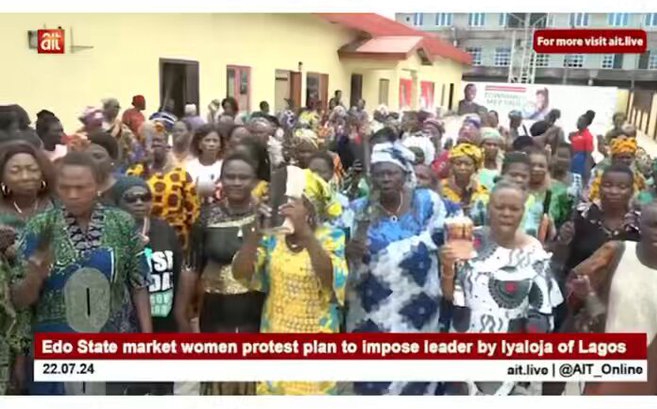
[396, 287]
[504, 290]
[296, 301]
[88, 288]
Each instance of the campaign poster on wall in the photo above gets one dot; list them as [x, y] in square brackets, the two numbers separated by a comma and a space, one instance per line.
[534, 101]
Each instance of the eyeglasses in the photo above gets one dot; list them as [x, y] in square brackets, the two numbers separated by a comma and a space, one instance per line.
[135, 197]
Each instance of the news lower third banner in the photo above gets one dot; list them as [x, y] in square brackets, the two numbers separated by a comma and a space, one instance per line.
[340, 357]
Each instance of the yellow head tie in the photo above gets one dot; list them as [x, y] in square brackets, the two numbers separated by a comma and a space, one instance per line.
[469, 150]
[620, 146]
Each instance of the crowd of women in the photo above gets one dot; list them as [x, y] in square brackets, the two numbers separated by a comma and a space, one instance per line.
[165, 224]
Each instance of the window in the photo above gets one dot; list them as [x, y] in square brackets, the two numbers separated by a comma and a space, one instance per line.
[475, 52]
[652, 61]
[541, 60]
[514, 20]
[502, 57]
[418, 19]
[444, 19]
[550, 21]
[573, 61]
[384, 91]
[608, 61]
[538, 20]
[618, 20]
[579, 19]
[651, 20]
[476, 19]
[503, 19]
[612, 61]
[648, 60]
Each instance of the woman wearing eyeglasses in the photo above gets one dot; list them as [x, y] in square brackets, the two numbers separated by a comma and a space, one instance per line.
[170, 289]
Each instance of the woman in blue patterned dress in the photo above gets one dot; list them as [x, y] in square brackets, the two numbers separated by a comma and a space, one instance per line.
[393, 259]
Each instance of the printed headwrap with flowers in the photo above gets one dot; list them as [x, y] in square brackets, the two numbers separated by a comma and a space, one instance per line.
[620, 146]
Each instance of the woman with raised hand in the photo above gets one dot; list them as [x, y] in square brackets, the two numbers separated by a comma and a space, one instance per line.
[99, 261]
[505, 286]
[395, 235]
[613, 291]
[27, 180]
[226, 305]
[611, 217]
[303, 274]
[593, 224]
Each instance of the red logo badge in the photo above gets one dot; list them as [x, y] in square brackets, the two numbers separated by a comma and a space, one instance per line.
[50, 41]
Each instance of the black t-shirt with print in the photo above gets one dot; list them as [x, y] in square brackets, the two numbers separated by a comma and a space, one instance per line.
[165, 255]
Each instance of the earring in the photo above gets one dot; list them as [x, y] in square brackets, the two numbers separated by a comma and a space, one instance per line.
[44, 185]
[5, 190]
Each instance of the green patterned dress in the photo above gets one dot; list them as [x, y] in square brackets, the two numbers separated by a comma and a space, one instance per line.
[15, 332]
[89, 285]
[8, 328]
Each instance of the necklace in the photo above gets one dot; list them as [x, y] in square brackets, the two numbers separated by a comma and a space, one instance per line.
[293, 246]
[20, 211]
[231, 211]
[394, 216]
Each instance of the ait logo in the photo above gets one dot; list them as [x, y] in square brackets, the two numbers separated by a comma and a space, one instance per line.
[50, 41]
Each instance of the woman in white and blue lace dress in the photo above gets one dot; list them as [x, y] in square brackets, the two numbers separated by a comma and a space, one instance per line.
[394, 284]
[507, 287]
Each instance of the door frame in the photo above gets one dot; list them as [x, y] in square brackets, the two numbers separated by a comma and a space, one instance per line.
[239, 69]
[322, 82]
[180, 61]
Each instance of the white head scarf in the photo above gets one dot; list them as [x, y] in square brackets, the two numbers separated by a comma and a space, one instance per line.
[398, 154]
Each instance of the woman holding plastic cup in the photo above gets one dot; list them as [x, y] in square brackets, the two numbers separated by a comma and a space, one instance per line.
[504, 286]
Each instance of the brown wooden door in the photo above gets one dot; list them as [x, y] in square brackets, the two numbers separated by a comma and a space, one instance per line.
[356, 89]
[238, 86]
[295, 89]
[324, 90]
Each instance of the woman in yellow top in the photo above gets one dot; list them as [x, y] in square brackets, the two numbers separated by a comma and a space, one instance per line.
[623, 151]
[174, 195]
[462, 186]
[303, 274]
